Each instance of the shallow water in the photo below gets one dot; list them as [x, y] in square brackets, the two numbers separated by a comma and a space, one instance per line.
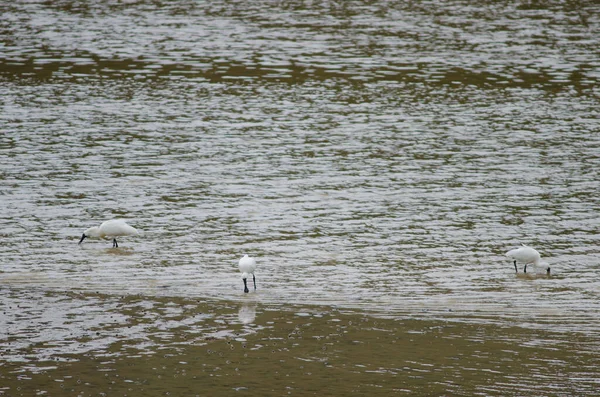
[135, 345]
[376, 157]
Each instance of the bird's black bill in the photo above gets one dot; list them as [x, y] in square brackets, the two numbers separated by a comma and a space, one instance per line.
[82, 238]
[246, 290]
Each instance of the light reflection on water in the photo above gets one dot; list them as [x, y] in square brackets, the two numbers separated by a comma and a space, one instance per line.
[408, 210]
[98, 344]
[373, 156]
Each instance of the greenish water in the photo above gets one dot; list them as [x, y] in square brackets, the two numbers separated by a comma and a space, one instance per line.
[185, 347]
[377, 158]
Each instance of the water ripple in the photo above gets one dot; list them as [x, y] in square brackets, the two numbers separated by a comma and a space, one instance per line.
[371, 155]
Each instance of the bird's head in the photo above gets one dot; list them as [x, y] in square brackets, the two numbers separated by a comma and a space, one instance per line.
[91, 232]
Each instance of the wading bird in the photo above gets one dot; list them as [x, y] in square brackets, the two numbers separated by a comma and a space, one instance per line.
[525, 255]
[247, 266]
[110, 229]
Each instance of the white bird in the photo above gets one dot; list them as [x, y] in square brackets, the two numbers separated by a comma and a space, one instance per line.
[247, 266]
[110, 229]
[525, 255]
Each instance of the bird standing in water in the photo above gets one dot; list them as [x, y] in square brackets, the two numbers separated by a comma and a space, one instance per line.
[525, 255]
[110, 229]
[247, 266]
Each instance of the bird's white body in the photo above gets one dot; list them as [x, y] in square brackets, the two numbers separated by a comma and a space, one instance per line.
[525, 255]
[247, 266]
[110, 229]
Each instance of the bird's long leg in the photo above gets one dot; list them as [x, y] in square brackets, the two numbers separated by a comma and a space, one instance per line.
[548, 271]
[115, 245]
[254, 279]
[246, 290]
[516, 270]
[525, 268]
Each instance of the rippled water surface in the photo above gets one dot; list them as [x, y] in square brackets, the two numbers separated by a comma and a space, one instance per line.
[376, 157]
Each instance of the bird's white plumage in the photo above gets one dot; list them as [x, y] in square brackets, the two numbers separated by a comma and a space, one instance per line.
[110, 229]
[526, 256]
[247, 266]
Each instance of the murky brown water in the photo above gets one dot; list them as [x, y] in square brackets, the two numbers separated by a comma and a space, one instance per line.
[377, 158]
[133, 345]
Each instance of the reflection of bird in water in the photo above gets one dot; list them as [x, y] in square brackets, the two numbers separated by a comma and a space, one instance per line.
[247, 266]
[110, 229]
[526, 255]
[247, 313]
